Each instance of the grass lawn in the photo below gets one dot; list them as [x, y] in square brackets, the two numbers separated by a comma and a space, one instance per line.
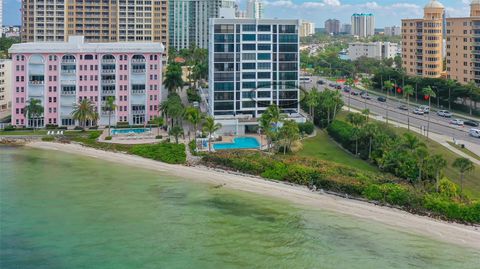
[26, 132]
[465, 150]
[322, 147]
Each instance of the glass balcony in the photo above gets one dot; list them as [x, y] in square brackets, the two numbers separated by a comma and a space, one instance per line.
[108, 81]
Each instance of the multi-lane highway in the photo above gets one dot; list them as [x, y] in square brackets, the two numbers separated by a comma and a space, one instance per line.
[439, 125]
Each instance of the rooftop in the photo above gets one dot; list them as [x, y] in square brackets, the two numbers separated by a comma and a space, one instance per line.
[76, 44]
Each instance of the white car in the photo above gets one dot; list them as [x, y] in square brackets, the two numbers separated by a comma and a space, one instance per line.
[457, 122]
[444, 113]
[426, 109]
[418, 111]
[474, 132]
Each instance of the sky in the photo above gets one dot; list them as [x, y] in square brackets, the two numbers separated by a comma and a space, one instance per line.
[387, 12]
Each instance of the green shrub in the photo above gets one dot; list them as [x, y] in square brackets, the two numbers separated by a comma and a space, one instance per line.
[158, 136]
[342, 132]
[108, 138]
[9, 128]
[192, 146]
[278, 171]
[48, 138]
[452, 209]
[51, 126]
[165, 152]
[306, 128]
[94, 134]
[193, 96]
[78, 128]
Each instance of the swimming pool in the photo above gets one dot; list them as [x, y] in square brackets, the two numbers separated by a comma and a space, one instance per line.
[127, 131]
[239, 143]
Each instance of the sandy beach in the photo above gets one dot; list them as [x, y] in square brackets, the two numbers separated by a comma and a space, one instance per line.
[463, 235]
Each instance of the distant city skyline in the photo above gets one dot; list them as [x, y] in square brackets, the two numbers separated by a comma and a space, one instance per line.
[387, 12]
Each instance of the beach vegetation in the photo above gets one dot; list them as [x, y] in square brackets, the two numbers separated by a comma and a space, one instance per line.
[164, 152]
[84, 112]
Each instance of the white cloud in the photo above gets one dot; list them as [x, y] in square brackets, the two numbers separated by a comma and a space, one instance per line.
[334, 3]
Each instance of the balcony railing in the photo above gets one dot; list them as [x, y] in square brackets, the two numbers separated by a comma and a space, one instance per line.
[108, 71]
[138, 112]
[68, 61]
[137, 92]
[68, 72]
[108, 81]
[108, 61]
[138, 60]
[138, 71]
[108, 92]
[36, 82]
[68, 93]
[68, 82]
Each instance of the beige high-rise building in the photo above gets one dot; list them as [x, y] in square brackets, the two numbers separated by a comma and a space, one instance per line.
[422, 42]
[463, 46]
[5, 87]
[307, 29]
[97, 21]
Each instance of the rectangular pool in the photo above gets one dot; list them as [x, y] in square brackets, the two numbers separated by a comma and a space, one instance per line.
[128, 131]
[239, 143]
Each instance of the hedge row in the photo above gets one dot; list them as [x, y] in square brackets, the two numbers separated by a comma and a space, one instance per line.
[165, 152]
[339, 178]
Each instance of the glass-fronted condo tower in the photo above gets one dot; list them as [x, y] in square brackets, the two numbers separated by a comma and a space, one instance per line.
[253, 64]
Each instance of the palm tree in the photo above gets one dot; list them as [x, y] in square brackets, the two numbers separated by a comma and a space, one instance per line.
[193, 116]
[176, 131]
[463, 165]
[312, 102]
[421, 154]
[289, 132]
[173, 78]
[33, 110]
[210, 127]
[450, 83]
[367, 84]
[416, 80]
[411, 142]
[436, 163]
[159, 122]
[407, 92]
[366, 113]
[472, 89]
[110, 107]
[429, 93]
[84, 111]
[351, 83]
[388, 85]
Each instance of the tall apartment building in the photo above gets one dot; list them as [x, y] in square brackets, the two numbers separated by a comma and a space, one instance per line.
[307, 28]
[5, 87]
[375, 50]
[255, 9]
[392, 31]
[346, 29]
[463, 46]
[188, 20]
[422, 42]
[253, 64]
[60, 74]
[332, 26]
[363, 25]
[1, 18]
[97, 21]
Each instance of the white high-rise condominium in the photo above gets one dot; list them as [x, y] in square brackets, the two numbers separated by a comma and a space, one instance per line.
[252, 64]
[1, 18]
[255, 9]
[363, 25]
[307, 29]
[392, 31]
[188, 20]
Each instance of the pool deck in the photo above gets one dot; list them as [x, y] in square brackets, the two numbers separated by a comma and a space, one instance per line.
[137, 138]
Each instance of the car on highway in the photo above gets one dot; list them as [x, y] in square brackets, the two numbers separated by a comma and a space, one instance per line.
[444, 113]
[381, 99]
[354, 93]
[474, 132]
[418, 111]
[471, 123]
[365, 95]
[458, 122]
[320, 82]
[338, 87]
[331, 85]
[426, 109]
[346, 89]
[403, 107]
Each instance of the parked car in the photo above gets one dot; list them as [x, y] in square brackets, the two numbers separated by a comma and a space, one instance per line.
[474, 132]
[444, 113]
[320, 82]
[471, 123]
[338, 87]
[354, 93]
[403, 107]
[381, 99]
[426, 109]
[346, 89]
[458, 122]
[418, 111]
[331, 85]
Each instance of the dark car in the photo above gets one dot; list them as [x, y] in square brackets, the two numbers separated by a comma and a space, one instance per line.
[381, 99]
[471, 123]
[331, 85]
[320, 82]
[338, 87]
[354, 93]
[346, 89]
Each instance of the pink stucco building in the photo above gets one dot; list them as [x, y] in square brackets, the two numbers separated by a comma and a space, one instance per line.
[60, 74]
